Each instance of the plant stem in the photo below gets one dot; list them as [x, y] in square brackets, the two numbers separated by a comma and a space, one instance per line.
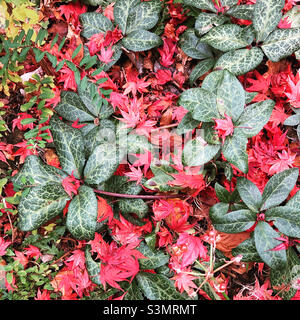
[138, 196]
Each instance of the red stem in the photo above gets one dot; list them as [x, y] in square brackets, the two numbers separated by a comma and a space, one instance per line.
[138, 196]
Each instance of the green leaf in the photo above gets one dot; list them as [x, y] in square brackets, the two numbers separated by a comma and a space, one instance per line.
[141, 40]
[155, 258]
[40, 205]
[201, 104]
[187, 124]
[244, 11]
[72, 108]
[93, 22]
[226, 37]
[82, 214]
[197, 152]
[254, 117]
[281, 43]
[249, 193]
[286, 219]
[240, 61]
[210, 134]
[101, 164]
[201, 4]
[222, 193]
[205, 21]
[265, 241]
[232, 222]
[122, 10]
[278, 188]
[191, 46]
[120, 184]
[143, 16]
[69, 146]
[35, 172]
[92, 100]
[137, 206]
[294, 202]
[157, 287]
[266, 16]
[133, 292]
[292, 120]
[234, 150]
[92, 266]
[200, 69]
[135, 143]
[248, 250]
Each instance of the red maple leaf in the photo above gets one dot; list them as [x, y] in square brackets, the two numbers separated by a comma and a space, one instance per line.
[3, 246]
[105, 55]
[71, 184]
[167, 52]
[260, 84]
[224, 127]
[32, 252]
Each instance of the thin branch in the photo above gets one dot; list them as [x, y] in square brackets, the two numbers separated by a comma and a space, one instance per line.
[138, 196]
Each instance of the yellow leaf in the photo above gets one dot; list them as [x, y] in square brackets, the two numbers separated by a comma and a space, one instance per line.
[50, 227]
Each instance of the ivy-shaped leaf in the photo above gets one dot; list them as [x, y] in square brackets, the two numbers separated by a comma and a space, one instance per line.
[92, 266]
[278, 188]
[82, 214]
[137, 206]
[122, 9]
[157, 287]
[93, 22]
[205, 21]
[249, 193]
[240, 61]
[264, 236]
[243, 11]
[201, 4]
[266, 16]
[200, 69]
[187, 124]
[294, 202]
[248, 250]
[133, 292]
[69, 146]
[41, 204]
[154, 259]
[141, 40]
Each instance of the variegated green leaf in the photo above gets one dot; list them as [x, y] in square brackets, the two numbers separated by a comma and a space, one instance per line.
[201, 4]
[222, 193]
[294, 202]
[228, 3]
[34, 172]
[266, 16]
[117, 52]
[120, 184]
[133, 292]
[205, 21]
[264, 236]
[82, 214]
[122, 10]
[197, 152]
[187, 124]
[243, 11]
[250, 96]
[191, 46]
[137, 206]
[72, 108]
[92, 100]
[254, 117]
[134, 143]
[248, 250]
[226, 37]
[200, 103]
[92, 266]
[41, 204]
[281, 43]
[200, 69]
[69, 146]
[232, 222]
[143, 16]
[101, 164]
[141, 40]
[93, 22]
[210, 135]
[157, 287]
[292, 120]
[286, 220]
[278, 188]
[240, 61]
[154, 259]
[234, 150]
[249, 193]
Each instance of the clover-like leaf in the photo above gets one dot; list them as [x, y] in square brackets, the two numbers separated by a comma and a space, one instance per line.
[232, 222]
[200, 69]
[122, 10]
[93, 22]
[278, 188]
[205, 21]
[141, 40]
[226, 37]
[234, 150]
[240, 61]
[82, 214]
[101, 164]
[254, 117]
[264, 236]
[92, 266]
[69, 146]
[248, 250]
[157, 287]
[154, 259]
[34, 172]
[200, 103]
[281, 43]
[286, 220]
[266, 16]
[41, 204]
[197, 152]
[191, 46]
[249, 193]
